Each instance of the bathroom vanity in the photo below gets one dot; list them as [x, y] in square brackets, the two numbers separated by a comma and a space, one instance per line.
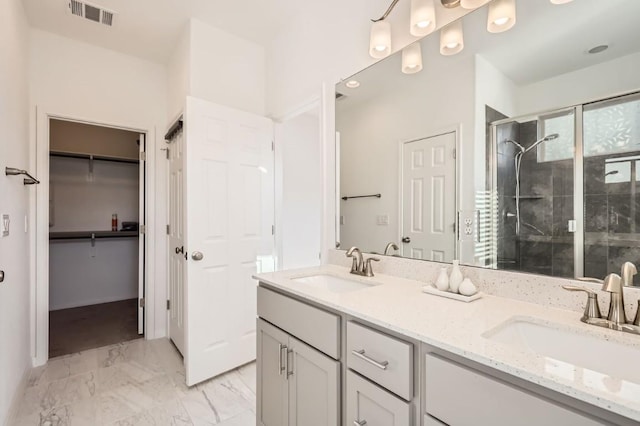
[338, 349]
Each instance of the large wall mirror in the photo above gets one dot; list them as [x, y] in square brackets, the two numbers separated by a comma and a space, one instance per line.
[520, 152]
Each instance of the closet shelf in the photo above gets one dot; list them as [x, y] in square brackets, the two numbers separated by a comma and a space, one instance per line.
[95, 157]
[88, 235]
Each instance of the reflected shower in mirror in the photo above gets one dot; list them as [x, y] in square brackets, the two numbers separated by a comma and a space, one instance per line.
[520, 152]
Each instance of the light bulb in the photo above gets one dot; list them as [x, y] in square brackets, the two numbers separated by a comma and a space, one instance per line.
[452, 38]
[412, 58]
[423, 17]
[502, 15]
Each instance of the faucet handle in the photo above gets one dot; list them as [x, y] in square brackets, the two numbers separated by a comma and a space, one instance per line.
[612, 284]
[592, 310]
[628, 271]
[368, 270]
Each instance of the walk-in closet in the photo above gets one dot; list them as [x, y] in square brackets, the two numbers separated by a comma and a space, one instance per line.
[96, 247]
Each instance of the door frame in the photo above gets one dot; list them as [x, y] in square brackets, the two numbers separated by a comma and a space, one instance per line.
[39, 222]
[456, 130]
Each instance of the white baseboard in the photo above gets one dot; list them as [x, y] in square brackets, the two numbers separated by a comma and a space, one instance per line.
[17, 398]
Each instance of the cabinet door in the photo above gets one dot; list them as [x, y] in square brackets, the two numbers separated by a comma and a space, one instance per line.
[370, 405]
[314, 380]
[272, 403]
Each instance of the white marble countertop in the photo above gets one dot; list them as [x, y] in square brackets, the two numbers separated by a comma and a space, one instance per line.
[399, 305]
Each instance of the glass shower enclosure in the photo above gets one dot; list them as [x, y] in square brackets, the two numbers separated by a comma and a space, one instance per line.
[566, 187]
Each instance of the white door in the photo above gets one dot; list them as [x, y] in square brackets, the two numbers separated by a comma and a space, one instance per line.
[229, 202]
[428, 194]
[141, 234]
[176, 240]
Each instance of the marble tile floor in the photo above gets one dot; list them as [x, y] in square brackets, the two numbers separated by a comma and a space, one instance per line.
[141, 382]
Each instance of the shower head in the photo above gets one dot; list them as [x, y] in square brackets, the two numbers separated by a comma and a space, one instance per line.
[539, 141]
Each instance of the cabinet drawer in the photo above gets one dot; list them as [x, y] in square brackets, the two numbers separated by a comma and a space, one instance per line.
[382, 358]
[368, 404]
[314, 326]
[488, 401]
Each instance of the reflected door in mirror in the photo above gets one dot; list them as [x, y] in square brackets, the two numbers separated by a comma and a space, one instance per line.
[429, 202]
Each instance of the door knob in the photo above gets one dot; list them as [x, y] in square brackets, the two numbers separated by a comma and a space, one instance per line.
[1, 276]
[197, 255]
[179, 250]
[406, 240]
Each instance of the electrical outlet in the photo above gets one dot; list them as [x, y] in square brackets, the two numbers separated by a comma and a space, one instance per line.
[467, 222]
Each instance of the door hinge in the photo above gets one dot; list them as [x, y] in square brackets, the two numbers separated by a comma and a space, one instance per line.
[273, 146]
[142, 302]
[143, 229]
[168, 305]
[168, 230]
[143, 156]
[273, 230]
[454, 153]
[166, 152]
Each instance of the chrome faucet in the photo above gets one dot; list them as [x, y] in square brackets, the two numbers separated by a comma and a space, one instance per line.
[360, 266]
[614, 284]
[389, 247]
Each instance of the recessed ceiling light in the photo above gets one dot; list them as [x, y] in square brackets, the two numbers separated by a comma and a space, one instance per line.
[598, 49]
[352, 84]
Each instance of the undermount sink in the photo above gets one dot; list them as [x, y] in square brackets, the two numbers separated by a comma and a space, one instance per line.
[566, 352]
[333, 284]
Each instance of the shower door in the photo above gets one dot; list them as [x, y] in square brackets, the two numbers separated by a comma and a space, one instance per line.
[534, 182]
[611, 182]
[577, 206]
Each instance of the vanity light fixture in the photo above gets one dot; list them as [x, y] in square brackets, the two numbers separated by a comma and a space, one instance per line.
[352, 84]
[452, 39]
[502, 16]
[412, 59]
[422, 18]
[472, 4]
[380, 42]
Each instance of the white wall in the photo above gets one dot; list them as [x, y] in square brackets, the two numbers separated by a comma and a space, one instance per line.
[14, 200]
[81, 274]
[226, 69]
[178, 74]
[588, 84]
[301, 205]
[74, 79]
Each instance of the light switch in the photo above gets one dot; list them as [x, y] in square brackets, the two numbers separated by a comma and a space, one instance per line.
[5, 225]
[382, 220]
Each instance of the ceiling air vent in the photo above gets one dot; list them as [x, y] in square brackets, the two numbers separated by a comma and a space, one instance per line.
[91, 12]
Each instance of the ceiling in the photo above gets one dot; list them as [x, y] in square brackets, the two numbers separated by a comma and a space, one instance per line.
[547, 40]
[150, 28]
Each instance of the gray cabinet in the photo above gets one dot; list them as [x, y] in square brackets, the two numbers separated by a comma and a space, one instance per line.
[460, 396]
[370, 405]
[297, 384]
[314, 396]
[273, 393]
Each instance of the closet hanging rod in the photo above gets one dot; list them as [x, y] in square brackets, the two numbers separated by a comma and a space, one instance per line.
[93, 157]
[363, 196]
[12, 171]
[89, 235]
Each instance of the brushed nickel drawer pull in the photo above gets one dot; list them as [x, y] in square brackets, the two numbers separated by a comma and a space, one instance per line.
[280, 363]
[361, 354]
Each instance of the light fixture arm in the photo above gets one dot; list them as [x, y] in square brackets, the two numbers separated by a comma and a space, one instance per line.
[389, 10]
